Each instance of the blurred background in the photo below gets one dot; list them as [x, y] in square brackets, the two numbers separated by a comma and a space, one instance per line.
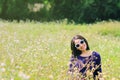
[78, 11]
[35, 37]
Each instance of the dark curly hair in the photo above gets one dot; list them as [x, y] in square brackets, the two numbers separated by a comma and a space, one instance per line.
[75, 51]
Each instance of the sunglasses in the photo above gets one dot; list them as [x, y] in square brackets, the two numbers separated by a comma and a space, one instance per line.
[81, 42]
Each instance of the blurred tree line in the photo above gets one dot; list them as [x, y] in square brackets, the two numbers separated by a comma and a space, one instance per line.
[79, 11]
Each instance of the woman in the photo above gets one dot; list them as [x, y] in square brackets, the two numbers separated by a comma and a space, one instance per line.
[84, 61]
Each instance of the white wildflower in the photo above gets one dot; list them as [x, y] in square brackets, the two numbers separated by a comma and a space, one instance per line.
[2, 69]
[23, 75]
[2, 64]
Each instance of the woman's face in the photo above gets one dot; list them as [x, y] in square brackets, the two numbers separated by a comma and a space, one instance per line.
[80, 44]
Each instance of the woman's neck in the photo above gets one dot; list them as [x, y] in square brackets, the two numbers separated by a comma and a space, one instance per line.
[86, 53]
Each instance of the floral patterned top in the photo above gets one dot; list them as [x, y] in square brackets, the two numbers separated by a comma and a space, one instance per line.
[91, 63]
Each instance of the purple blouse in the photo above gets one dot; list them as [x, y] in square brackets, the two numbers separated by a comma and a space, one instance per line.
[92, 63]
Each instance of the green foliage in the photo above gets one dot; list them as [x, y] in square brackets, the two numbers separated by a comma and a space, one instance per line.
[79, 11]
[114, 31]
[86, 10]
[18, 9]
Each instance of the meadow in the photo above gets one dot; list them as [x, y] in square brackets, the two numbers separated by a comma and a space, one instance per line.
[41, 51]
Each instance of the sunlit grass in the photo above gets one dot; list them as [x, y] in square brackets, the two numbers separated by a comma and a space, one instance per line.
[41, 51]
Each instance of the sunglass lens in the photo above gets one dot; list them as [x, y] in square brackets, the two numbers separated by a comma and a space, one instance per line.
[77, 45]
[81, 42]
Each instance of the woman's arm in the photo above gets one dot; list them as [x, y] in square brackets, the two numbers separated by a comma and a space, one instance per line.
[98, 69]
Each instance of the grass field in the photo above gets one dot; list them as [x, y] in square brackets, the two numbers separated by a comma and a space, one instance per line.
[41, 51]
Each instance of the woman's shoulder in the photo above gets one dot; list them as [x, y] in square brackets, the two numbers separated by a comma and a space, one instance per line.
[72, 58]
[94, 53]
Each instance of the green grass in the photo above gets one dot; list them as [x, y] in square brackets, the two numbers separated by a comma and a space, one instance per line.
[41, 51]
